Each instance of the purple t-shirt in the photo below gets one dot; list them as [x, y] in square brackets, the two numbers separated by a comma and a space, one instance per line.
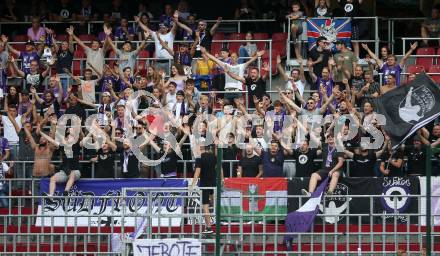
[26, 58]
[272, 165]
[4, 143]
[121, 35]
[328, 84]
[123, 85]
[386, 70]
[107, 80]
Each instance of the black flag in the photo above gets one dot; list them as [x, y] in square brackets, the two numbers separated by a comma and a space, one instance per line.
[409, 107]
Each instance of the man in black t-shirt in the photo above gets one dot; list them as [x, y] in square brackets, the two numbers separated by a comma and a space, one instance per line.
[206, 170]
[250, 165]
[319, 56]
[364, 160]
[392, 163]
[416, 157]
[304, 159]
[255, 84]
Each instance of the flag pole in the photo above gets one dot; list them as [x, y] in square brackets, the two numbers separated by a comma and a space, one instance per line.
[217, 199]
[428, 199]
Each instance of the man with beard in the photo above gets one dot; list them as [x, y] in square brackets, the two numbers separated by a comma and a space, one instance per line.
[273, 159]
[304, 159]
[250, 165]
[416, 157]
[42, 154]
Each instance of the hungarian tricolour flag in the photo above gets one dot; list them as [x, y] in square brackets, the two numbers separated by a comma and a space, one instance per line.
[332, 29]
[409, 107]
[253, 198]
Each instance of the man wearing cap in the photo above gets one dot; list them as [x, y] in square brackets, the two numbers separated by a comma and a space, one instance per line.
[345, 60]
[34, 78]
[162, 55]
[30, 54]
[416, 154]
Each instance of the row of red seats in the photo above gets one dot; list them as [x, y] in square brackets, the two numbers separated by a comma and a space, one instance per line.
[415, 69]
[427, 62]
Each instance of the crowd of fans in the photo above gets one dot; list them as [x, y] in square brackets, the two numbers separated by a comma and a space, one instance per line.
[167, 111]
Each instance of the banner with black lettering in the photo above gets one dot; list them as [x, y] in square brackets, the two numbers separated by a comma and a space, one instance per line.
[99, 203]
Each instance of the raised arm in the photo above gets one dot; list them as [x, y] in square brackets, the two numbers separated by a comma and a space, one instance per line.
[212, 57]
[109, 40]
[142, 25]
[289, 101]
[10, 48]
[311, 73]
[164, 44]
[75, 78]
[183, 26]
[281, 70]
[258, 54]
[408, 53]
[378, 61]
[70, 31]
[214, 28]
[19, 72]
[234, 76]
[50, 139]
[30, 137]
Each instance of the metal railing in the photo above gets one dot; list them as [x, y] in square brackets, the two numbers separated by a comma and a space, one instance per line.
[235, 23]
[372, 232]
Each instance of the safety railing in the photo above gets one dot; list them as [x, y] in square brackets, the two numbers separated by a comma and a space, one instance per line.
[236, 24]
[363, 217]
[391, 28]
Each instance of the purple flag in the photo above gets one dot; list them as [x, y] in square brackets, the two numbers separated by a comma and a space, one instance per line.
[302, 219]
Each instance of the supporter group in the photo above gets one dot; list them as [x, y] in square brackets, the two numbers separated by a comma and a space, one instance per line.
[127, 101]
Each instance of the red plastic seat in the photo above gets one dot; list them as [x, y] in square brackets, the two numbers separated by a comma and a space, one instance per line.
[279, 36]
[236, 36]
[425, 61]
[76, 64]
[235, 46]
[261, 36]
[435, 69]
[215, 48]
[280, 47]
[20, 38]
[218, 36]
[87, 37]
[62, 37]
[415, 69]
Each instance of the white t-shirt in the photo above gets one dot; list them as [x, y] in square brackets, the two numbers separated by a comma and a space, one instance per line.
[231, 83]
[96, 58]
[9, 130]
[171, 101]
[162, 53]
[3, 171]
[88, 90]
[299, 84]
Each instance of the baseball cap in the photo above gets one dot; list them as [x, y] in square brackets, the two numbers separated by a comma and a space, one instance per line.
[106, 94]
[224, 49]
[340, 42]
[180, 92]
[30, 42]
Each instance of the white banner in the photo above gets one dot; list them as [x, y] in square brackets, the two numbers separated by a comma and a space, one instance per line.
[167, 247]
[435, 200]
